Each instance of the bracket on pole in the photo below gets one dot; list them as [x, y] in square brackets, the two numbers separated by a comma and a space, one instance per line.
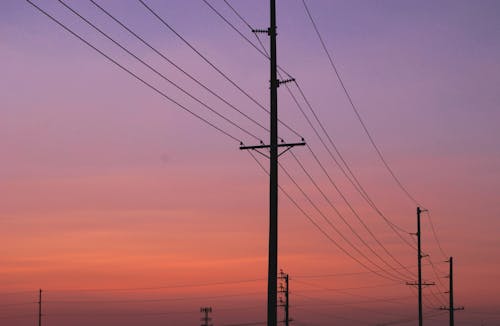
[266, 31]
[284, 81]
[423, 283]
[454, 308]
[287, 145]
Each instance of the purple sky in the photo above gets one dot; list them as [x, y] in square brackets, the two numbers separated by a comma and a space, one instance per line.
[105, 185]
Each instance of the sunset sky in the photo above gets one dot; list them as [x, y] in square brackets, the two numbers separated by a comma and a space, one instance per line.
[127, 210]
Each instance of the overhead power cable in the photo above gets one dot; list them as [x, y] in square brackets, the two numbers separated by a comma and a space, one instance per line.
[355, 213]
[320, 212]
[154, 300]
[329, 303]
[162, 55]
[156, 71]
[161, 287]
[143, 81]
[353, 180]
[443, 253]
[320, 229]
[353, 106]
[214, 66]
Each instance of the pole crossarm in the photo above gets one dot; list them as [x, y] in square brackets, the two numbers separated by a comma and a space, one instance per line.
[452, 308]
[287, 145]
[423, 283]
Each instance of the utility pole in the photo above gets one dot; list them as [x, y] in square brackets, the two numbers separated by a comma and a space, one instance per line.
[420, 256]
[273, 170]
[205, 319]
[451, 308]
[284, 289]
[40, 307]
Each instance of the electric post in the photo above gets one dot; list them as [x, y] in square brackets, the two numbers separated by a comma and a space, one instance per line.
[205, 319]
[284, 289]
[451, 308]
[40, 307]
[420, 256]
[272, 272]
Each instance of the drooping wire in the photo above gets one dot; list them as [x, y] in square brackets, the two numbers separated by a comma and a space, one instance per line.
[356, 184]
[358, 217]
[322, 301]
[320, 212]
[353, 179]
[162, 55]
[347, 223]
[320, 229]
[154, 300]
[353, 106]
[164, 95]
[439, 278]
[214, 66]
[443, 253]
[157, 72]
[161, 287]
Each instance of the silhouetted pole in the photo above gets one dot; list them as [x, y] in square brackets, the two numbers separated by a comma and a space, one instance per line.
[286, 291]
[40, 307]
[420, 316]
[205, 319]
[272, 272]
[451, 308]
[452, 317]
[273, 179]
[420, 256]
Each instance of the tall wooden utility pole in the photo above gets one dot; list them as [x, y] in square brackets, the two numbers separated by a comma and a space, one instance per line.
[40, 307]
[419, 282]
[272, 272]
[451, 308]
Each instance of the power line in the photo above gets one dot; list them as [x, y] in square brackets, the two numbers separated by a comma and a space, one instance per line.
[132, 73]
[321, 229]
[155, 300]
[385, 285]
[333, 226]
[156, 71]
[213, 65]
[354, 181]
[16, 304]
[346, 292]
[337, 274]
[162, 55]
[355, 213]
[164, 287]
[443, 253]
[357, 308]
[353, 106]
[305, 116]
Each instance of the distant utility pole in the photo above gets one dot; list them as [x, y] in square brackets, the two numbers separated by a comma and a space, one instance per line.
[419, 283]
[451, 308]
[205, 319]
[272, 272]
[285, 290]
[40, 307]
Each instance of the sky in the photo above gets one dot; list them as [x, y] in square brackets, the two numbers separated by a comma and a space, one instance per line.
[125, 209]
